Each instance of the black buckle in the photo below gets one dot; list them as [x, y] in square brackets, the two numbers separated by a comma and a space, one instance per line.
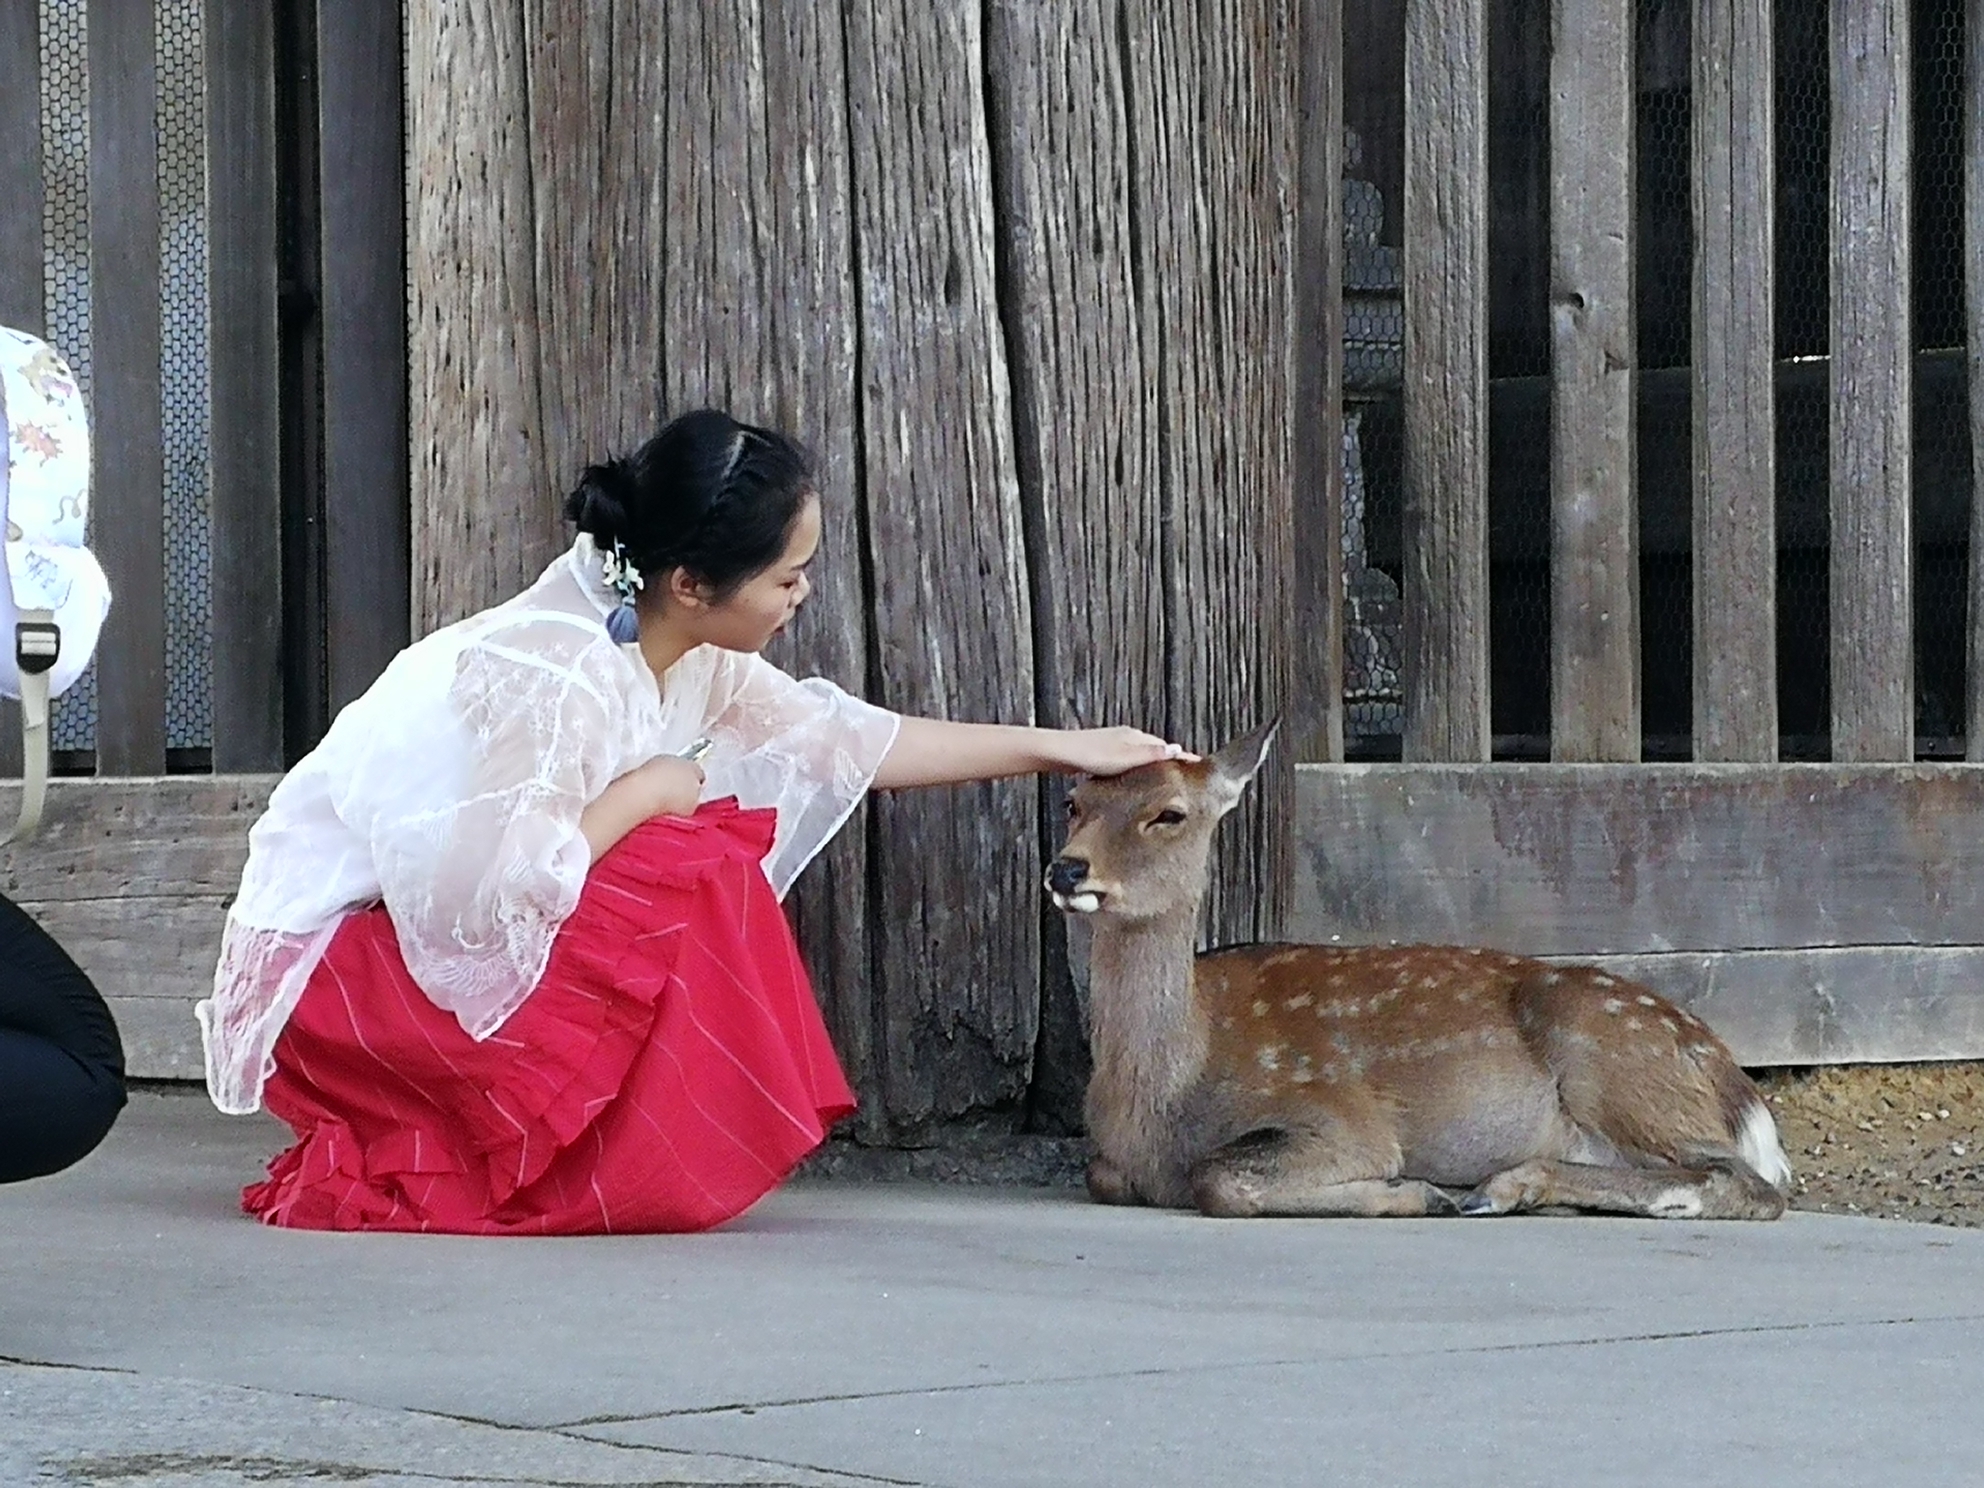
[37, 645]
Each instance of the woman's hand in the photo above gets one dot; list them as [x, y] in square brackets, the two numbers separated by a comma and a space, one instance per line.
[666, 786]
[1111, 751]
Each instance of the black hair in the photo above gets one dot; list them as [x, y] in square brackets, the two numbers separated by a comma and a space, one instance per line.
[707, 494]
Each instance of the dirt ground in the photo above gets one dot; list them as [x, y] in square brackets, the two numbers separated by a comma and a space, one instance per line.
[1902, 1141]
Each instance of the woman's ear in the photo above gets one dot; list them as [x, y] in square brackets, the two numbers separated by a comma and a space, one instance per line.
[685, 589]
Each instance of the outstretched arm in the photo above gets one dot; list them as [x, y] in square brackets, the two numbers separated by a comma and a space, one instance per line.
[929, 751]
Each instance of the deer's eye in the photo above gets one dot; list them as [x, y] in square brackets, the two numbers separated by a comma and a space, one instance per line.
[1171, 816]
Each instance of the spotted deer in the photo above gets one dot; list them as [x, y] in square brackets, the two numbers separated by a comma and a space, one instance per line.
[1373, 1080]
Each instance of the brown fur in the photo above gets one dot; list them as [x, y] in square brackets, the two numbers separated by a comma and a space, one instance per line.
[1369, 1080]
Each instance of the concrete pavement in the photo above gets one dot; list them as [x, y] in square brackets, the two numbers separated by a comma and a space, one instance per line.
[848, 1333]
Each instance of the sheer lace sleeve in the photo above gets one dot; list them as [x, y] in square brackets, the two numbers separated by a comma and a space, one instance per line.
[807, 748]
[479, 881]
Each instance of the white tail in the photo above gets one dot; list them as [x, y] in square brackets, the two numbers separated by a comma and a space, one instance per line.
[1282, 1079]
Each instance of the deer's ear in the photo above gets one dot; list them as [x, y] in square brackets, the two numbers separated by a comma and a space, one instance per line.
[1237, 764]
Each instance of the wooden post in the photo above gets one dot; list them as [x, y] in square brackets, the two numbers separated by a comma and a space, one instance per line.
[20, 234]
[1735, 406]
[1873, 663]
[1317, 706]
[1446, 382]
[1594, 550]
[244, 368]
[362, 178]
[128, 486]
[1973, 230]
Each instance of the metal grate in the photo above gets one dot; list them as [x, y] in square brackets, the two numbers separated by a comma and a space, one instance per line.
[183, 374]
[184, 381]
[65, 228]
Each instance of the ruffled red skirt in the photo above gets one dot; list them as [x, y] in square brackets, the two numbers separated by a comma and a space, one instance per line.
[669, 1070]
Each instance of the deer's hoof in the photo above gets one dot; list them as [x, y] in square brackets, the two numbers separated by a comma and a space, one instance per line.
[1477, 1203]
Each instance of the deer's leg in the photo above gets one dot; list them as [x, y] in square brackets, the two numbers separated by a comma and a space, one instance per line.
[1292, 1174]
[1713, 1186]
[1108, 1185]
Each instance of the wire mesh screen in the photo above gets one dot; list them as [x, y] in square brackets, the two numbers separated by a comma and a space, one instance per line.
[1941, 435]
[65, 236]
[182, 190]
[183, 370]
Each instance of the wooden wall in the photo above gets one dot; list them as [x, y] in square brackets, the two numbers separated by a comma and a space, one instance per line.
[1032, 310]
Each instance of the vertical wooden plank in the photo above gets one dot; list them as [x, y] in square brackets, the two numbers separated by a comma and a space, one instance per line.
[20, 167]
[946, 559]
[1973, 237]
[20, 232]
[1735, 411]
[128, 488]
[1594, 526]
[243, 366]
[1446, 382]
[363, 183]
[1873, 664]
[743, 188]
[1317, 704]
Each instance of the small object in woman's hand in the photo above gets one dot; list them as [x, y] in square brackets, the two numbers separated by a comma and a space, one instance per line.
[695, 752]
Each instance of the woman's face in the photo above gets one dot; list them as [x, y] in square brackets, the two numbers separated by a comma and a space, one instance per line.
[764, 604]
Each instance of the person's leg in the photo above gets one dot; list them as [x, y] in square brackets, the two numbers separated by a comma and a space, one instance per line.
[61, 1061]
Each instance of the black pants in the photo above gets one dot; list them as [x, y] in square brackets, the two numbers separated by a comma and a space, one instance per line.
[61, 1062]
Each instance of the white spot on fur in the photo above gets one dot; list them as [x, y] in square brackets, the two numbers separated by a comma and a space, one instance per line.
[1756, 1140]
[1299, 1000]
[1602, 980]
[1551, 978]
[1464, 997]
[1260, 1008]
[1670, 1025]
[1428, 984]
[1302, 1076]
[1633, 1023]
[1613, 1005]
[1675, 1203]
[1268, 1056]
[1643, 1000]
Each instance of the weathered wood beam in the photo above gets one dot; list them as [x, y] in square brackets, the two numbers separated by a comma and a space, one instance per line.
[244, 369]
[1735, 410]
[1872, 642]
[363, 181]
[1585, 859]
[1446, 382]
[1317, 704]
[1594, 548]
[128, 496]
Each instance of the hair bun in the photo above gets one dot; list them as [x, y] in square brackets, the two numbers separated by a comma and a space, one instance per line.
[598, 507]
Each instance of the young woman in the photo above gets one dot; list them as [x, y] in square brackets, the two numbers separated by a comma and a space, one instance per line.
[508, 954]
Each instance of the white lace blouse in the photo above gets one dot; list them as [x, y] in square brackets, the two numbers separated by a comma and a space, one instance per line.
[452, 790]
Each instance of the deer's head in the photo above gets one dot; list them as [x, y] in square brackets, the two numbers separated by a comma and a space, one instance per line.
[1138, 843]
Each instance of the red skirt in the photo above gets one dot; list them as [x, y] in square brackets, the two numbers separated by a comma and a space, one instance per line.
[669, 1070]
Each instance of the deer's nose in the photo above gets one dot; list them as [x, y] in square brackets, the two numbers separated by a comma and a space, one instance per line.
[1065, 875]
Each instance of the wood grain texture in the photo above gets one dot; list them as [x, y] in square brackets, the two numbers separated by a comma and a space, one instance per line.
[1587, 860]
[362, 180]
[136, 838]
[484, 514]
[1844, 1005]
[946, 556]
[1873, 662]
[1973, 227]
[1316, 473]
[1594, 550]
[244, 371]
[1735, 408]
[1216, 213]
[1446, 382]
[20, 168]
[128, 480]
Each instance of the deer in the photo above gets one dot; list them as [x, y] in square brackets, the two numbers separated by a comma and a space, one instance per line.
[1410, 1080]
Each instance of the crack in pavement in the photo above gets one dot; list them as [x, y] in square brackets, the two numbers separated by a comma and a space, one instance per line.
[137, 1467]
[751, 1407]
[458, 1418]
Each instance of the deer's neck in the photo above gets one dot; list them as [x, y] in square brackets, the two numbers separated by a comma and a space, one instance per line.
[1148, 1034]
